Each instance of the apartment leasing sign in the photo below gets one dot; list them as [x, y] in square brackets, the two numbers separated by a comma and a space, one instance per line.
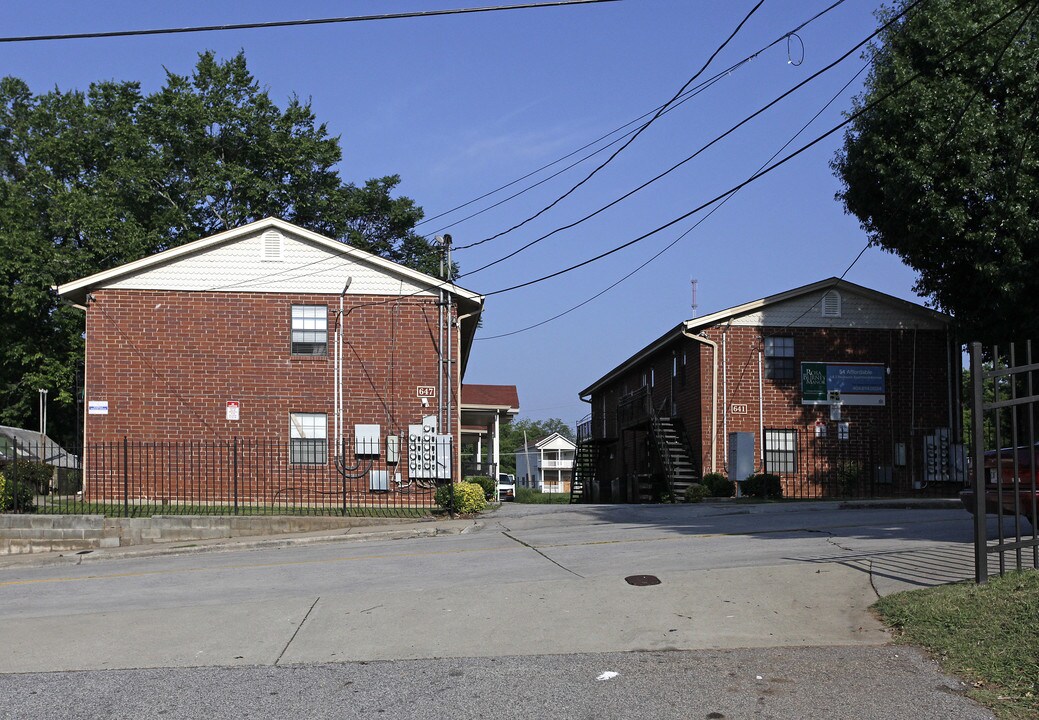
[848, 383]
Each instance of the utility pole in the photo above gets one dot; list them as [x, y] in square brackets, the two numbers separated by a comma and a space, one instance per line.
[43, 421]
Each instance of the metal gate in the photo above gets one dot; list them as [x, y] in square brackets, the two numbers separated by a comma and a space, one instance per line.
[1004, 385]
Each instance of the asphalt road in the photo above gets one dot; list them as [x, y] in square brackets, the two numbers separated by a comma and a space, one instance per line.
[760, 611]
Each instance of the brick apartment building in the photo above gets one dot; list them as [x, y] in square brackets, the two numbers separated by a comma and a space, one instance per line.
[840, 390]
[235, 338]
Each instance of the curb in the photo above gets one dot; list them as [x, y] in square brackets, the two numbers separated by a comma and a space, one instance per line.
[200, 547]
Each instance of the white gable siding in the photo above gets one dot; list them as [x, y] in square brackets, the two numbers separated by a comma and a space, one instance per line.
[557, 443]
[240, 266]
[857, 311]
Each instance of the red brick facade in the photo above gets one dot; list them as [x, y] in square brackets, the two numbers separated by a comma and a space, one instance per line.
[168, 362]
[679, 375]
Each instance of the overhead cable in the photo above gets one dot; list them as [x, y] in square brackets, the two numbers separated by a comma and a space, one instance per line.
[694, 225]
[687, 159]
[850, 118]
[661, 110]
[292, 23]
[630, 140]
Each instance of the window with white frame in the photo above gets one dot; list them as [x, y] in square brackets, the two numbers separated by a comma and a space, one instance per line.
[781, 452]
[309, 329]
[308, 438]
[779, 358]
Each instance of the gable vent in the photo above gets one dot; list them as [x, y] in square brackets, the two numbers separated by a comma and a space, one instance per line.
[271, 243]
[832, 304]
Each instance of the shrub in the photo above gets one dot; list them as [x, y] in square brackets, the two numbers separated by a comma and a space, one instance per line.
[16, 496]
[719, 485]
[696, 493]
[34, 475]
[485, 482]
[763, 485]
[850, 475]
[469, 497]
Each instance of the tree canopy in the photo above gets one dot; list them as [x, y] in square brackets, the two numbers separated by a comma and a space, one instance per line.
[512, 435]
[945, 172]
[91, 180]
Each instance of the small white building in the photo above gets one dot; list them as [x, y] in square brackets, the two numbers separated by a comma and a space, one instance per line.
[546, 465]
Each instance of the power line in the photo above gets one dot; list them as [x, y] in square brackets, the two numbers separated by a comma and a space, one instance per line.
[686, 97]
[659, 111]
[695, 225]
[630, 140]
[687, 159]
[293, 23]
[851, 118]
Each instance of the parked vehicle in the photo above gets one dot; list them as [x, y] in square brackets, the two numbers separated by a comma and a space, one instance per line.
[1025, 500]
[506, 487]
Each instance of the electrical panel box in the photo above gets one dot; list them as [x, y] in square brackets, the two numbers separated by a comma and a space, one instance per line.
[422, 449]
[443, 465]
[741, 457]
[366, 440]
[938, 457]
[392, 449]
[380, 480]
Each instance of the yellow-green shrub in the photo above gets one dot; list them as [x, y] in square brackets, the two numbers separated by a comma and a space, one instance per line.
[468, 497]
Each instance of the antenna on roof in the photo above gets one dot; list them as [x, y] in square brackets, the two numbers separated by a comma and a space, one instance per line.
[693, 282]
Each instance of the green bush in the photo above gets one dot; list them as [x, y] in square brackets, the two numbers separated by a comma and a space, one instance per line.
[16, 496]
[719, 485]
[469, 497]
[696, 493]
[485, 482]
[34, 475]
[763, 485]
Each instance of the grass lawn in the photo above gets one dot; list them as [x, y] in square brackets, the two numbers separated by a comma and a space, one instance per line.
[530, 495]
[986, 634]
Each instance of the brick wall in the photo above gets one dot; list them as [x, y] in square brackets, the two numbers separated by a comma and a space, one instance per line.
[167, 363]
[917, 399]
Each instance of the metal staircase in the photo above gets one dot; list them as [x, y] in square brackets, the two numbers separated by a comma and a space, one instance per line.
[586, 460]
[667, 437]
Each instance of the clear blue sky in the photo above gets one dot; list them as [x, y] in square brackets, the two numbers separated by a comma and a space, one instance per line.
[459, 106]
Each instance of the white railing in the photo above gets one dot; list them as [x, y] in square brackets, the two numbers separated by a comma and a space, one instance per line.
[557, 464]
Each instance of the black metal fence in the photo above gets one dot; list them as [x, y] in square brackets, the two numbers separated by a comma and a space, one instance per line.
[828, 465]
[1004, 395]
[232, 477]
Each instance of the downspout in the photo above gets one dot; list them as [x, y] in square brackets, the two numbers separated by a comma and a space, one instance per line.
[761, 411]
[457, 429]
[714, 393]
[725, 391]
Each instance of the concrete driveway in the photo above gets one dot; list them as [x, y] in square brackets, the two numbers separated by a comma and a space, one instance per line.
[773, 583]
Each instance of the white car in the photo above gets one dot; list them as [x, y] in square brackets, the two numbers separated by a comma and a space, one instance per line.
[506, 487]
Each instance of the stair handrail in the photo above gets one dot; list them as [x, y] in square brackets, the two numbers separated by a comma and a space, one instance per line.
[663, 450]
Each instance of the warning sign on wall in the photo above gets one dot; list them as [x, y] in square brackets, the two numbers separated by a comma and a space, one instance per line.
[233, 408]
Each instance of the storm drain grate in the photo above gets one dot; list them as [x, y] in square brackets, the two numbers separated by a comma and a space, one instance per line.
[642, 580]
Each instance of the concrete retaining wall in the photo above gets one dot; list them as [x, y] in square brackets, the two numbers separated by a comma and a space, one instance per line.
[71, 533]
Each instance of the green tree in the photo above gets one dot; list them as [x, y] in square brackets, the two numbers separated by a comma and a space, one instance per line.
[513, 433]
[90, 180]
[945, 173]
